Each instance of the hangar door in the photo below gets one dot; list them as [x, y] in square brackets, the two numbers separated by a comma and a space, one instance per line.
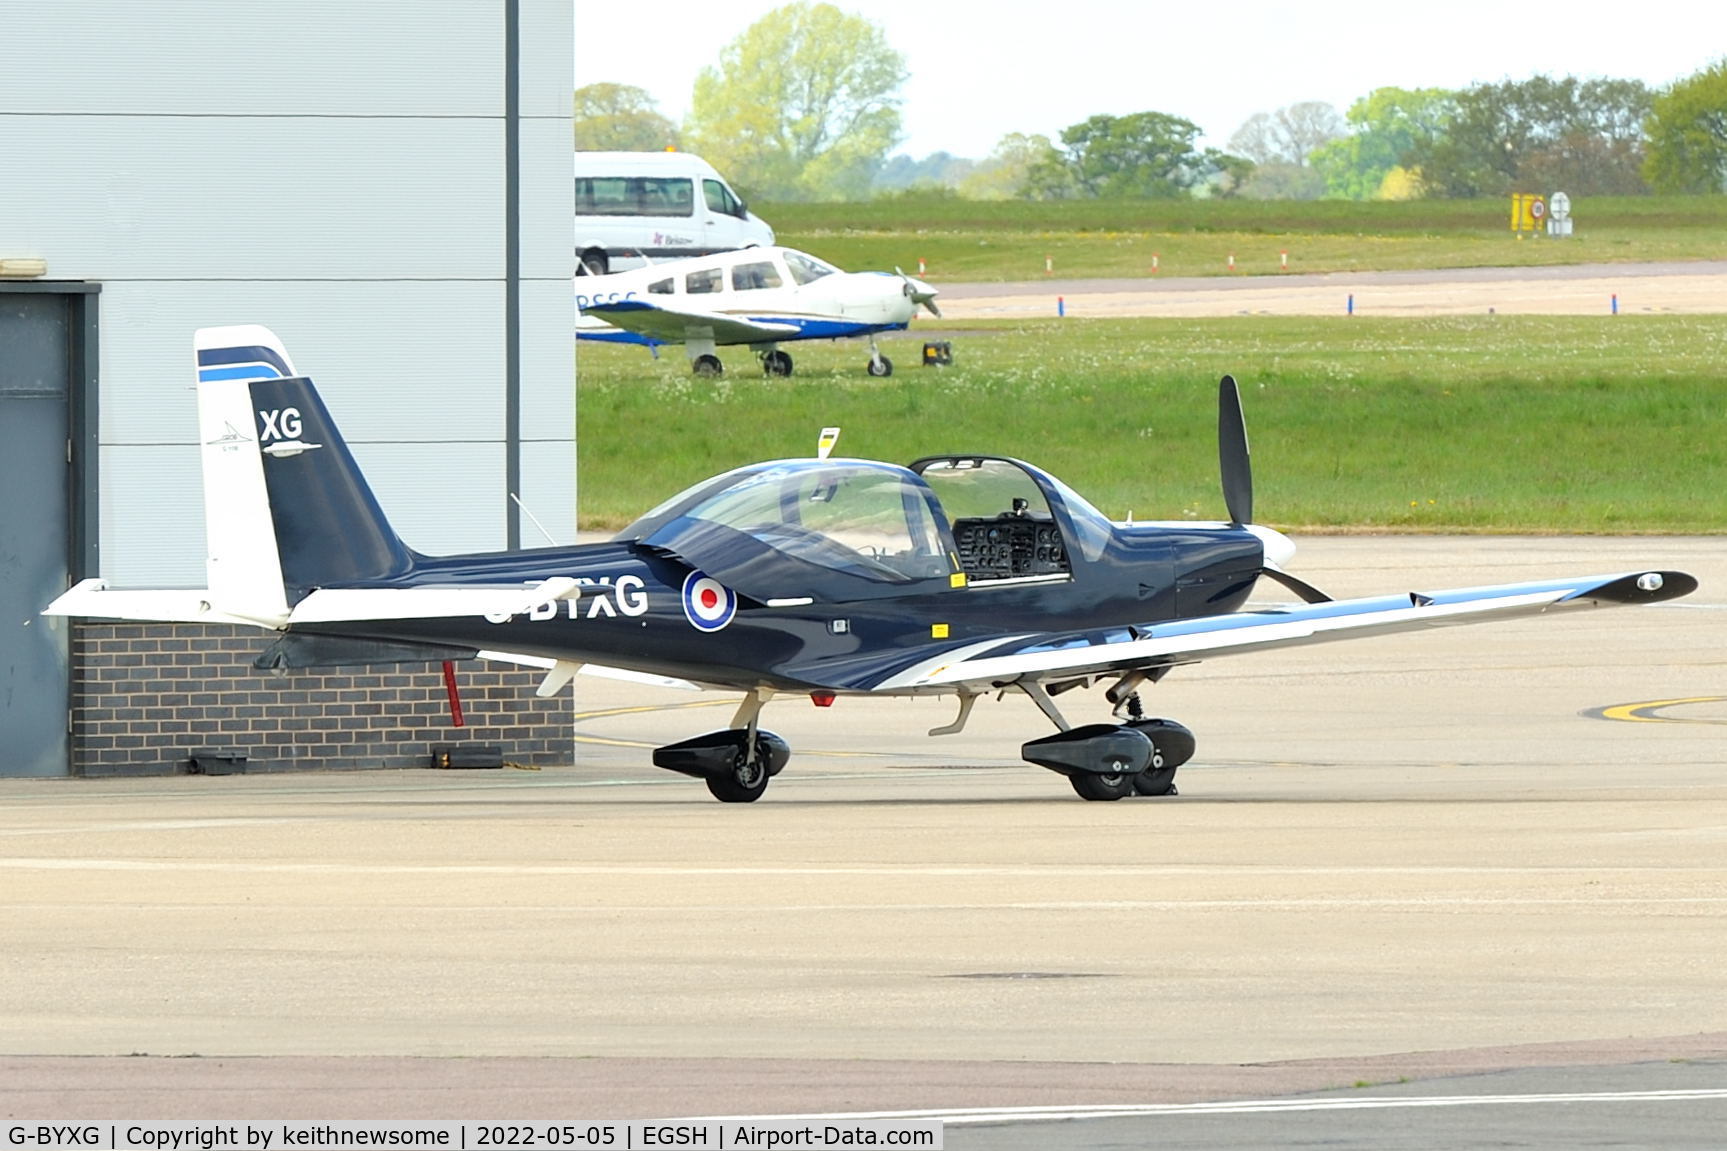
[35, 388]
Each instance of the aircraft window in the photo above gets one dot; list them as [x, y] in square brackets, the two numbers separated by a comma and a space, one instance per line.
[721, 200]
[969, 489]
[1090, 527]
[706, 280]
[661, 287]
[807, 269]
[758, 275]
[866, 520]
[634, 196]
[1002, 523]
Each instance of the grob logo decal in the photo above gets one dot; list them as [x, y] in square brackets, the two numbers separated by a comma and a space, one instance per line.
[708, 604]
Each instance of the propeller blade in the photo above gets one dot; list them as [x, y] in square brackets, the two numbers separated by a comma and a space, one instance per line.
[1232, 454]
[919, 292]
[1299, 586]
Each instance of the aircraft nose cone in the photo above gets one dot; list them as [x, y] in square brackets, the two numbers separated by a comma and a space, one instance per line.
[1279, 548]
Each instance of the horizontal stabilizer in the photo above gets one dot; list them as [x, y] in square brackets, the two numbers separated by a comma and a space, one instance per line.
[337, 605]
[94, 599]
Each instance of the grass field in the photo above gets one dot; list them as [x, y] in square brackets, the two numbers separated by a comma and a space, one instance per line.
[996, 240]
[1575, 424]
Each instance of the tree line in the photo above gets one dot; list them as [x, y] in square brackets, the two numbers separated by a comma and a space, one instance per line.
[804, 105]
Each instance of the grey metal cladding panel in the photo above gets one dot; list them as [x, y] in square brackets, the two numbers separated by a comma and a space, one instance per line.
[414, 360]
[548, 362]
[152, 516]
[549, 492]
[115, 198]
[548, 210]
[305, 57]
[442, 499]
[548, 40]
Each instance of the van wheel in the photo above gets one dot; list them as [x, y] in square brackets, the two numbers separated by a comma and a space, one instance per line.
[595, 262]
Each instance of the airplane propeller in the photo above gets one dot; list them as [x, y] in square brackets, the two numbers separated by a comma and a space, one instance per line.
[919, 292]
[1234, 462]
[1232, 454]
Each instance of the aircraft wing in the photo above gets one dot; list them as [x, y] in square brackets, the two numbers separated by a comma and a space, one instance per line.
[1071, 656]
[676, 325]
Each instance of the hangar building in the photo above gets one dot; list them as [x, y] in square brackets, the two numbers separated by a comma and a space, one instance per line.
[386, 185]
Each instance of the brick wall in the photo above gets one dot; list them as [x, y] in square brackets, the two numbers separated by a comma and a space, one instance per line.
[146, 697]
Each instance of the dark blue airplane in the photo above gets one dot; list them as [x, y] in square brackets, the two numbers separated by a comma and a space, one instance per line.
[956, 575]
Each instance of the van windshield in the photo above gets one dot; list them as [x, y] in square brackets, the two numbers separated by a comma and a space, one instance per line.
[721, 200]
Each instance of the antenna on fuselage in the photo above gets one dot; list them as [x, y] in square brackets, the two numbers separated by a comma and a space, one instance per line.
[535, 519]
[825, 444]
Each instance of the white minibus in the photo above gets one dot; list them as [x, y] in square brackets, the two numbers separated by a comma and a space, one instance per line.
[634, 206]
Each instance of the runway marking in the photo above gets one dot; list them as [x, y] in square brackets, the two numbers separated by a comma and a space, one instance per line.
[1305, 906]
[1650, 712]
[908, 871]
[1001, 1115]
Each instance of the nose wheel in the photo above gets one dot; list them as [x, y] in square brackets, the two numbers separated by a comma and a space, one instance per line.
[745, 782]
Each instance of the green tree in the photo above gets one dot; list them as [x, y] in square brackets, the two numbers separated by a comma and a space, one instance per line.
[1579, 136]
[941, 170]
[1006, 173]
[1385, 126]
[1145, 154]
[620, 118]
[1687, 129]
[1287, 136]
[802, 105]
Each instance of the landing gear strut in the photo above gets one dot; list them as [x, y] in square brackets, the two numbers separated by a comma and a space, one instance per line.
[879, 365]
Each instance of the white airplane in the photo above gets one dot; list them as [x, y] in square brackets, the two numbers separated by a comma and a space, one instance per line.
[762, 297]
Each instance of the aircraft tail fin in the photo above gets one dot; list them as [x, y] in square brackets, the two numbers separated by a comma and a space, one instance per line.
[286, 509]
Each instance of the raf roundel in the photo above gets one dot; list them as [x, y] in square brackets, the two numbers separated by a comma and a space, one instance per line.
[708, 603]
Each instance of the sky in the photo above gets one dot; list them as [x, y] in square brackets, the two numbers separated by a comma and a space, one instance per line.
[980, 69]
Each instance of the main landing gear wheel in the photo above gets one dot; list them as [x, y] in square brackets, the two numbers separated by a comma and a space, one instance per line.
[1155, 781]
[777, 363]
[1171, 746]
[1090, 785]
[708, 367]
[880, 366]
